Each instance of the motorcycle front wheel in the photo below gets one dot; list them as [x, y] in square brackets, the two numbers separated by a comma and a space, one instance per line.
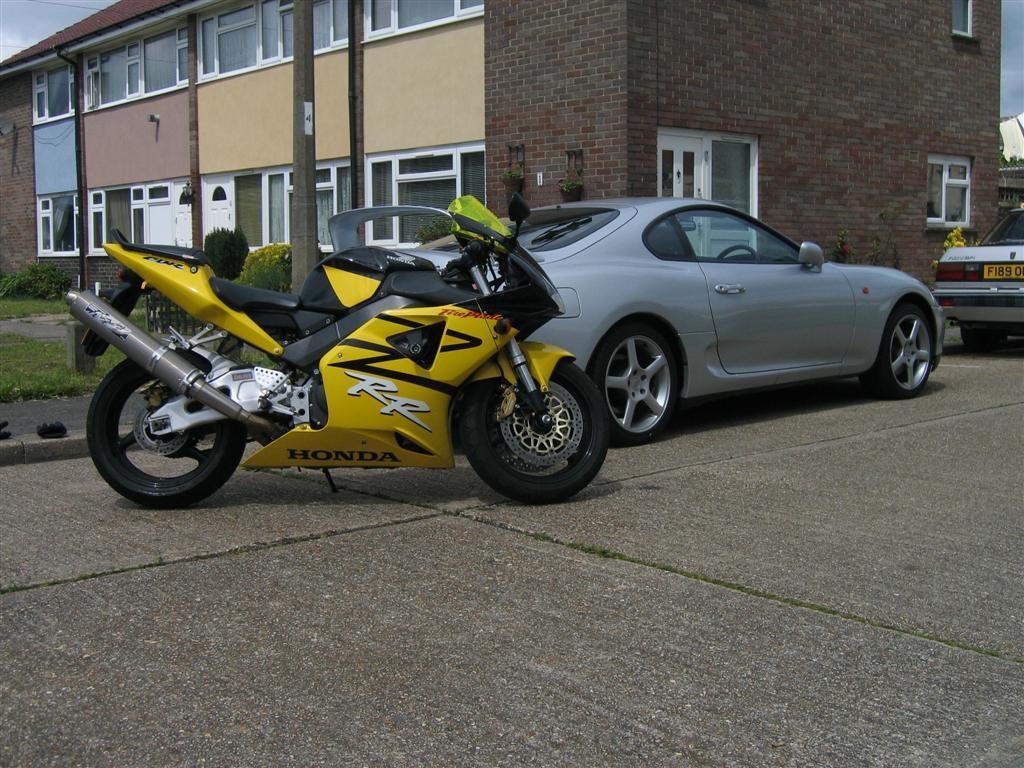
[156, 470]
[514, 459]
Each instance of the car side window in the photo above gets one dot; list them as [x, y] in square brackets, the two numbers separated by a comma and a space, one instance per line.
[721, 237]
[663, 240]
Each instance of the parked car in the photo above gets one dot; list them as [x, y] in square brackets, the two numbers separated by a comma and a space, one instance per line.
[670, 298]
[981, 287]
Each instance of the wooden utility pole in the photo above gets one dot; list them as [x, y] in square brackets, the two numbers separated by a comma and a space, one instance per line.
[305, 252]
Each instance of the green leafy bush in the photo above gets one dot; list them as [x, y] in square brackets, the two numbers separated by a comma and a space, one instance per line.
[227, 250]
[269, 267]
[36, 281]
[434, 229]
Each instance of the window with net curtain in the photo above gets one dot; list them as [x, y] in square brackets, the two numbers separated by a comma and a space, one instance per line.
[160, 61]
[249, 207]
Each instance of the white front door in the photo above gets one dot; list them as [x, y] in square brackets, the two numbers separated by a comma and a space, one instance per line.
[708, 166]
[681, 167]
[218, 204]
[182, 217]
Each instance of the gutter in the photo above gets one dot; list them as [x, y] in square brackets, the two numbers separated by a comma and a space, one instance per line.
[99, 37]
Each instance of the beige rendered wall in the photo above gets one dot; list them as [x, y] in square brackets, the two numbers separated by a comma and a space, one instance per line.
[246, 121]
[123, 147]
[425, 88]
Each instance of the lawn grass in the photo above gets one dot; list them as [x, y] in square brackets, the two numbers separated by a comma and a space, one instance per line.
[11, 307]
[33, 370]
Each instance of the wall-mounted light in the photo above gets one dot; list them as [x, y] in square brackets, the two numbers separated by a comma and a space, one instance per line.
[154, 119]
[188, 197]
[517, 155]
[574, 161]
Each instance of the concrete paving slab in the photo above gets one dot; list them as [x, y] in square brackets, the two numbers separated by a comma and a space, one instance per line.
[87, 528]
[446, 642]
[901, 526]
[767, 420]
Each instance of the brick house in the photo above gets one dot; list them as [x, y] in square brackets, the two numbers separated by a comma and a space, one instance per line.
[878, 118]
[874, 117]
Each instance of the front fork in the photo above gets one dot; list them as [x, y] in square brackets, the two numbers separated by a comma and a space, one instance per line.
[530, 393]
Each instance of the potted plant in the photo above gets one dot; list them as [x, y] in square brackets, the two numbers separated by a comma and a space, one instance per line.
[571, 189]
[512, 178]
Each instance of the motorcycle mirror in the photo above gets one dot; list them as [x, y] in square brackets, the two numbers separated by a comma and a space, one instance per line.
[518, 210]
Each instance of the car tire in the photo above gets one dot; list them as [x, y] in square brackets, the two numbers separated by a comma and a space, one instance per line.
[905, 354]
[637, 373]
[981, 339]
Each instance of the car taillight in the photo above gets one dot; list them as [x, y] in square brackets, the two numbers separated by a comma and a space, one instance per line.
[956, 272]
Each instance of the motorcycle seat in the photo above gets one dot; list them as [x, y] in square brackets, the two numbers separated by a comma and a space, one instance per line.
[245, 298]
[189, 255]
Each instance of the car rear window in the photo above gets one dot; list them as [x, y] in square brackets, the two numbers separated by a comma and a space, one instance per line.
[1009, 230]
[554, 228]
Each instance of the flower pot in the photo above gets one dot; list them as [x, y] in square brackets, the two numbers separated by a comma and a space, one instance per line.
[572, 195]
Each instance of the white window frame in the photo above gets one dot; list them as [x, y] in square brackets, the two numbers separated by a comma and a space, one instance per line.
[456, 151]
[44, 219]
[946, 161]
[707, 140]
[264, 58]
[460, 11]
[93, 96]
[142, 197]
[969, 32]
[40, 88]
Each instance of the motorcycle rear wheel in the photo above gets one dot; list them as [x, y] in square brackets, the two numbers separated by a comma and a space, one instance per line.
[151, 470]
[527, 466]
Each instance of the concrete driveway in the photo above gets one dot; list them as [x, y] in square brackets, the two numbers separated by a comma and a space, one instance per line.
[794, 578]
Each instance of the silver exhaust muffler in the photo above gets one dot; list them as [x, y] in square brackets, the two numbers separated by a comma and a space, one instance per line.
[163, 362]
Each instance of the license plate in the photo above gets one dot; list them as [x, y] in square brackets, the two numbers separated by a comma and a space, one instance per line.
[1003, 272]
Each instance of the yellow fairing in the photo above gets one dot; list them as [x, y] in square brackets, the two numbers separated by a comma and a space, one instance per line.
[350, 288]
[540, 358]
[385, 409]
[188, 286]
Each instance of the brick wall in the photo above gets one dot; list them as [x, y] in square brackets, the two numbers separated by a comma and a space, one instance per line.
[555, 80]
[17, 176]
[846, 100]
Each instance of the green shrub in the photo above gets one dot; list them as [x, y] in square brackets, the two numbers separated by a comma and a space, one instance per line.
[226, 249]
[434, 229]
[269, 267]
[36, 281]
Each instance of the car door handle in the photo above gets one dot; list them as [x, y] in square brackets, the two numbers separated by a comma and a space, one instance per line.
[730, 288]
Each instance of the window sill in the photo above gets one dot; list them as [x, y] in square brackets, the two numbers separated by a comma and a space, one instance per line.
[948, 227]
[37, 121]
[965, 39]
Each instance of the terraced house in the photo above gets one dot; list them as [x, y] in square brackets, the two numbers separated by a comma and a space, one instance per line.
[877, 118]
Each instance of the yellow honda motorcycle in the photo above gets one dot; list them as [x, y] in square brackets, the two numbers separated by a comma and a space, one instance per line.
[374, 363]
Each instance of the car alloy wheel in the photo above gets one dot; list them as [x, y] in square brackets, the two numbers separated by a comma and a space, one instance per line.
[910, 351]
[636, 371]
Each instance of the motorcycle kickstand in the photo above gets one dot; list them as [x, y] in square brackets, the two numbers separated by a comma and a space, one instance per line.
[330, 480]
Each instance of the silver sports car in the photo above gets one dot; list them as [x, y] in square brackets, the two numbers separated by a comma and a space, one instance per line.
[670, 298]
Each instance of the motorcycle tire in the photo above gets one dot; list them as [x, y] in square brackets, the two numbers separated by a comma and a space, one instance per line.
[523, 464]
[151, 470]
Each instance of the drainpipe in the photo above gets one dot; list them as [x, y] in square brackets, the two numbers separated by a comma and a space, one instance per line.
[353, 100]
[83, 200]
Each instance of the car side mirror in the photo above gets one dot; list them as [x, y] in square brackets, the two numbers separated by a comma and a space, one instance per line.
[811, 255]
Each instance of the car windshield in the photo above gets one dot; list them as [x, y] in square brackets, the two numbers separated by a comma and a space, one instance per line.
[552, 228]
[1009, 230]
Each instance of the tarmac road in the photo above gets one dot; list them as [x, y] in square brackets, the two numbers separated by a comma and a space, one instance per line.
[794, 578]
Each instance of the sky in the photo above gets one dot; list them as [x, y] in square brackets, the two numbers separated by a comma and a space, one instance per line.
[24, 22]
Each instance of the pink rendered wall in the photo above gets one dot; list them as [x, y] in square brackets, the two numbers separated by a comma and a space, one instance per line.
[123, 147]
